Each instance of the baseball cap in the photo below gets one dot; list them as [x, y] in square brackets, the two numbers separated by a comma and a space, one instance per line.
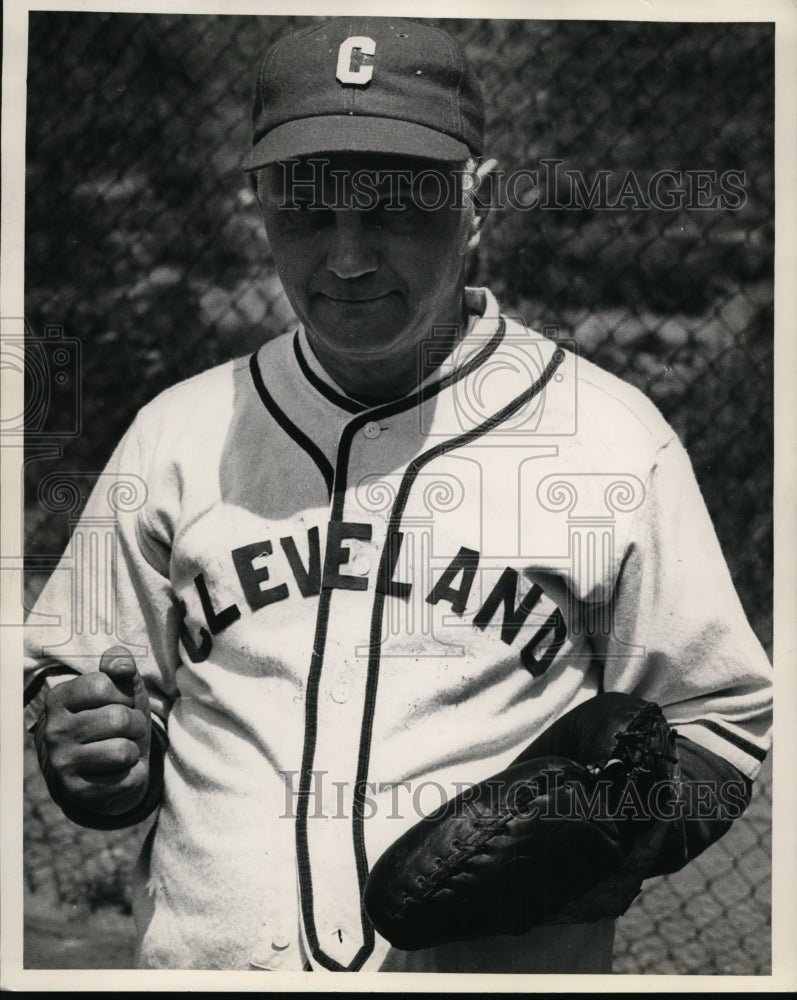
[366, 84]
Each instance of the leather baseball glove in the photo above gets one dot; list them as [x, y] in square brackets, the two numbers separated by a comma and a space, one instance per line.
[565, 834]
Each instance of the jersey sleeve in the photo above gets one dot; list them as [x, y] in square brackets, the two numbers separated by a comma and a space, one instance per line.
[111, 587]
[679, 634]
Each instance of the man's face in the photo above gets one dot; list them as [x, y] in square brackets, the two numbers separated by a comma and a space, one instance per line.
[370, 251]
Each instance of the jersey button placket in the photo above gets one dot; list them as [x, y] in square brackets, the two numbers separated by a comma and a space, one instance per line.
[336, 892]
[336, 898]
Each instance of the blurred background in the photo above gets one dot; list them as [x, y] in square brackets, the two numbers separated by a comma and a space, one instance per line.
[146, 262]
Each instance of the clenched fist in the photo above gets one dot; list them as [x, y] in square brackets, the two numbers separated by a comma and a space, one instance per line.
[95, 737]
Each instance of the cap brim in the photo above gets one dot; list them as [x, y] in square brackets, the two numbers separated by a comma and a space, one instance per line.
[353, 134]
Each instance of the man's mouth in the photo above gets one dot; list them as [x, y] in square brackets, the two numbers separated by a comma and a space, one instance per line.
[354, 299]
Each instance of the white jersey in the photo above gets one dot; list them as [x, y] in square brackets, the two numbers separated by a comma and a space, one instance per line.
[346, 615]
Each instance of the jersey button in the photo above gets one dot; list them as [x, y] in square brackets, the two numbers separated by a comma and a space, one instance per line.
[372, 430]
[361, 565]
[340, 694]
[280, 941]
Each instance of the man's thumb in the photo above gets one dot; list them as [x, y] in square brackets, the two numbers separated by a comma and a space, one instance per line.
[118, 663]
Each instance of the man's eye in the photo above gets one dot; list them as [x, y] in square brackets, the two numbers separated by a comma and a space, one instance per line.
[400, 214]
[304, 214]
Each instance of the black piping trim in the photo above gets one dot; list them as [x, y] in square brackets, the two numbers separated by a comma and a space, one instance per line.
[304, 442]
[410, 475]
[343, 402]
[739, 742]
[37, 683]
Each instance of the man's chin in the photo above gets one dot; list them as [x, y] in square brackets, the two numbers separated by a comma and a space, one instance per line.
[359, 329]
[360, 346]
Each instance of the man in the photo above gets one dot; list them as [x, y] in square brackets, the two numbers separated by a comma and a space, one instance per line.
[368, 566]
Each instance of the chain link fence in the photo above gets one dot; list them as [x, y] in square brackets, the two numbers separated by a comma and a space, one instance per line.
[634, 214]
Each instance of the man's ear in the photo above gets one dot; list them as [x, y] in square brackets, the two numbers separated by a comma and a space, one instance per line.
[256, 178]
[481, 193]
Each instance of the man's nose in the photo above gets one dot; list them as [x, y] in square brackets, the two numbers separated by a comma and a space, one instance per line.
[350, 253]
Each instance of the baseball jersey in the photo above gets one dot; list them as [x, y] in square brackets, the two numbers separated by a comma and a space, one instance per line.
[346, 615]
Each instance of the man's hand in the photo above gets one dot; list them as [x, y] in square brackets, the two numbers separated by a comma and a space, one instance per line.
[96, 735]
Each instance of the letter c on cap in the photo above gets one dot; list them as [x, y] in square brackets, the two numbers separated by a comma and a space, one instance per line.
[361, 72]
